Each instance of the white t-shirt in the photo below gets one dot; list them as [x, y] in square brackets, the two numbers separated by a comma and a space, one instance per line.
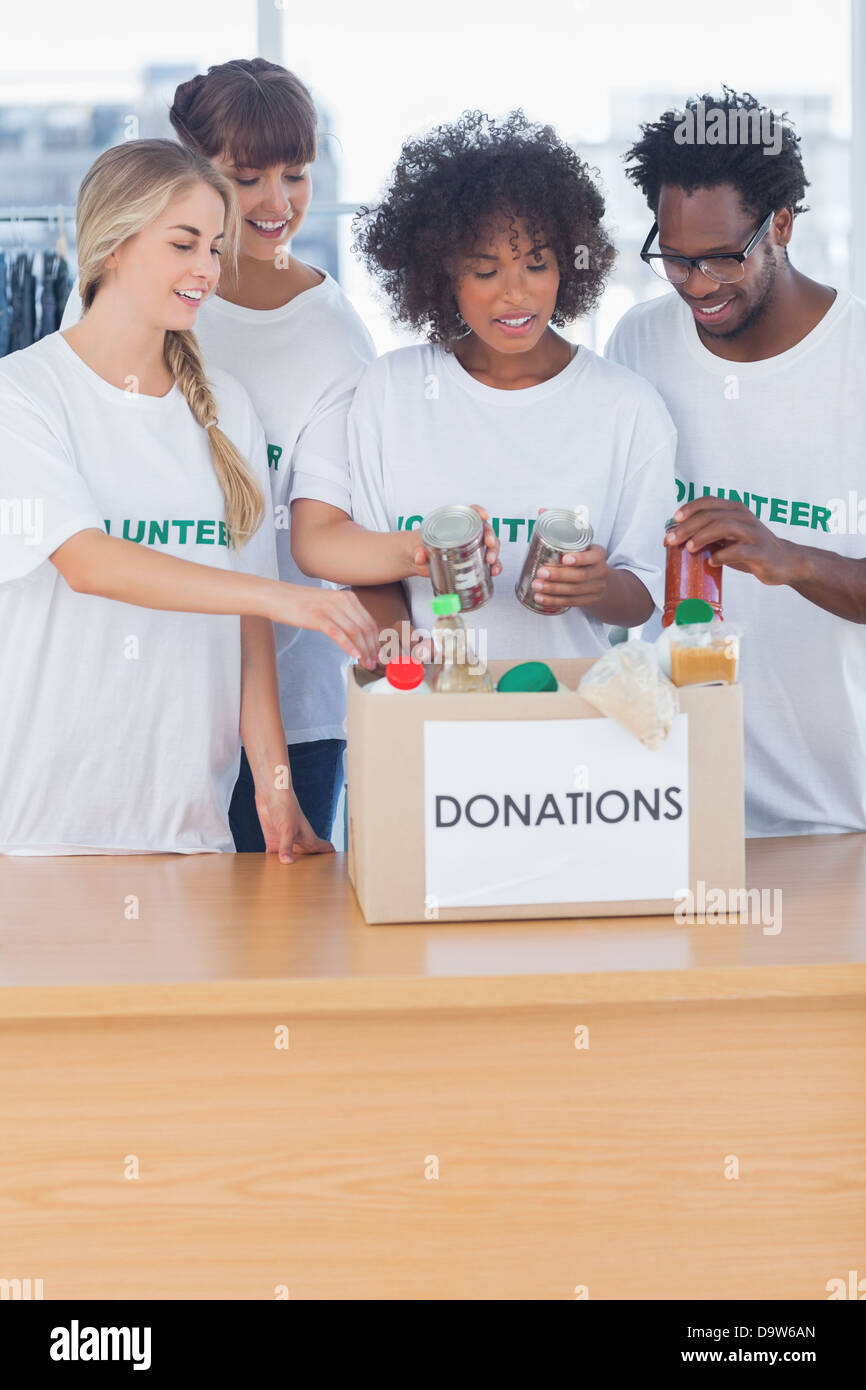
[119, 725]
[300, 364]
[786, 435]
[424, 433]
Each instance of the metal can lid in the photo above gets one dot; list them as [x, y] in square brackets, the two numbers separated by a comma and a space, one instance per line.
[564, 528]
[450, 526]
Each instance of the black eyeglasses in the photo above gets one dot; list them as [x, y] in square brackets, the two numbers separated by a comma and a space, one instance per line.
[724, 267]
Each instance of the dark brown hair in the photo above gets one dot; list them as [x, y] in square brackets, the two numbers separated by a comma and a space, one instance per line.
[255, 112]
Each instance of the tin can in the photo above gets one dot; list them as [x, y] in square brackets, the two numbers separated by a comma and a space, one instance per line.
[454, 539]
[557, 531]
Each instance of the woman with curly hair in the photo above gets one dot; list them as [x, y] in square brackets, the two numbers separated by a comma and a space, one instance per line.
[488, 239]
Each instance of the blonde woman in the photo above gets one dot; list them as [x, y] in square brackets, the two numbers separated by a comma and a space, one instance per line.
[137, 569]
[289, 334]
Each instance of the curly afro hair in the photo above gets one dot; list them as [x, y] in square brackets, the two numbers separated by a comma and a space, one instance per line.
[451, 182]
[765, 182]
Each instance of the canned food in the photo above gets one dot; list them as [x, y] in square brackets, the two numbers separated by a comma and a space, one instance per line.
[454, 539]
[557, 531]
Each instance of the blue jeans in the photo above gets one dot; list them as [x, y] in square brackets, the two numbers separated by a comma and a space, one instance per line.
[317, 779]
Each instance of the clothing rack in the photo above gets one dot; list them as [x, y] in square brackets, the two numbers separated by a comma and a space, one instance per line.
[62, 216]
[34, 280]
[43, 214]
[50, 214]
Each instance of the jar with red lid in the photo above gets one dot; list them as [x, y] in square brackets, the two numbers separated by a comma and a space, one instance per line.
[689, 574]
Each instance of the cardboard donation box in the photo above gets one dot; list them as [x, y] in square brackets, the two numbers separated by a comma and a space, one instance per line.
[472, 807]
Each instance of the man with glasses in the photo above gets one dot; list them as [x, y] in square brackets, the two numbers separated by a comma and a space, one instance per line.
[764, 373]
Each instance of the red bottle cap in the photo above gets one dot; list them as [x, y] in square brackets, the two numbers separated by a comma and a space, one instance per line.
[405, 674]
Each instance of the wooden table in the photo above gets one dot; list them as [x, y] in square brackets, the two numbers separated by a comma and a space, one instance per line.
[434, 1128]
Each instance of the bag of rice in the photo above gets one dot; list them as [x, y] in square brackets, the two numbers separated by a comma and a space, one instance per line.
[628, 685]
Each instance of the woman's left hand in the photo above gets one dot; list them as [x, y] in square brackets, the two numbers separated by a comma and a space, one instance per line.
[578, 582]
[285, 827]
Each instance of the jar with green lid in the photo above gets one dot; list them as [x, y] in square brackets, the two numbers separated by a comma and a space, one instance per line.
[704, 650]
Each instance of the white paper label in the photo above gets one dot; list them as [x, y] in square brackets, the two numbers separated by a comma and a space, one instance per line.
[553, 811]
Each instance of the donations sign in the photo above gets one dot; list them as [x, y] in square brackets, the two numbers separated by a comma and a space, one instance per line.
[553, 811]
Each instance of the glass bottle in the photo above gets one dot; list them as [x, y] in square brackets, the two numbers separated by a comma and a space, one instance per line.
[455, 674]
[689, 574]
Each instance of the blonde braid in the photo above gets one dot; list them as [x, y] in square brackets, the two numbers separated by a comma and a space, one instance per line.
[244, 503]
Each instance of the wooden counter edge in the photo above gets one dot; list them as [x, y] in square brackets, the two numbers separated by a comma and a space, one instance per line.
[395, 993]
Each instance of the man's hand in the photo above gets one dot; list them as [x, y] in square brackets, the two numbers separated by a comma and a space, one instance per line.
[747, 544]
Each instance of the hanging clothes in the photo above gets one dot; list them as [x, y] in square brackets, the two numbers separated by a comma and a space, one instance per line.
[62, 287]
[22, 285]
[32, 291]
[56, 285]
[5, 308]
[48, 321]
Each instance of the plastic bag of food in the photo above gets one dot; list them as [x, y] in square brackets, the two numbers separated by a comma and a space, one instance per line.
[628, 685]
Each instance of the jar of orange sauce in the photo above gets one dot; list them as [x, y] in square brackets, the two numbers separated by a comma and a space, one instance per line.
[689, 574]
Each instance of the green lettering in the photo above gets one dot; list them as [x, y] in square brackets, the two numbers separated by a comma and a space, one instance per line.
[274, 452]
[139, 531]
[399, 523]
[410, 521]
[200, 537]
[494, 522]
[799, 513]
[759, 502]
[735, 496]
[820, 517]
[223, 534]
[779, 509]
[108, 528]
[530, 527]
[681, 489]
[158, 530]
[183, 527]
[513, 523]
